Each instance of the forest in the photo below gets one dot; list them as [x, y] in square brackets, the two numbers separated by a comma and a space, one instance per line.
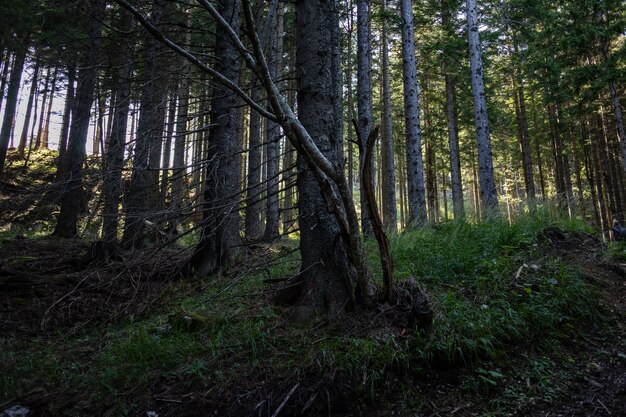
[312, 208]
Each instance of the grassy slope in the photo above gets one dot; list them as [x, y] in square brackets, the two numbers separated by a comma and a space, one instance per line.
[227, 344]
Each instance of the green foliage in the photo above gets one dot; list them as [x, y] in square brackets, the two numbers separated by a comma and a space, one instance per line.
[487, 304]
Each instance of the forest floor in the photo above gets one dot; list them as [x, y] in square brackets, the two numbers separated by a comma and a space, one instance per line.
[530, 319]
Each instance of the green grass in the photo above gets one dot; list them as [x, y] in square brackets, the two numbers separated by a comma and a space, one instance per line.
[228, 332]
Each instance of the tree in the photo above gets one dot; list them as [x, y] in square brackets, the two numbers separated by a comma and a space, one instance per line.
[143, 190]
[456, 184]
[11, 103]
[87, 75]
[325, 263]
[220, 230]
[488, 193]
[365, 119]
[415, 164]
[388, 166]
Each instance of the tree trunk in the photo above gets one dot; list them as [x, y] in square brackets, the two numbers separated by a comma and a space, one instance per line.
[43, 110]
[220, 231]
[65, 126]
[390, 215]
[181, 125]
[29, 108]
[144, 179]
[253, 206]
[11, 104]
[326, 271]
[524, 137]
[456, 184]
[169, 134]
[365, 119]
[45, 133]
[70, 202]
[415, 164]
[112, 185]
[488, 193]
[273, 130]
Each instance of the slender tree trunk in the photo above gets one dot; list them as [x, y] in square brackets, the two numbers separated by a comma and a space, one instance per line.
[524, 138]
[273, 130]
[431, 170]
[253, 206]
[112, 185]
[456, 184]
[70, 202]
[169, 133]
[415, 165]
[365, 119]
[488, 193]
[5, 72]
[11, 103]
[388, 188]
[220, 231]
[45, 133]
[180, 140]
[350, 99]
[65, 126]
[29, 108]
[43, 110]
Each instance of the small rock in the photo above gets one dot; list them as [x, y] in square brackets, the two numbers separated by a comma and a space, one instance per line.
[152, 414]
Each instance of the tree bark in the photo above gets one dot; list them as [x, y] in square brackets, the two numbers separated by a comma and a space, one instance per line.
[488, 192]
[456, 184]
[29, 108]
[70, 202]
[390, 215]
[65, 126]
[273, 130]
[364, 98]
[45, 133]
[326, 271]
[220, 231]
[144, 179]
[112, 186]
[11, 104]
[415, 164]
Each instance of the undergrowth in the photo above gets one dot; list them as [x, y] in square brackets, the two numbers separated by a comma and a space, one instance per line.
[491, 286]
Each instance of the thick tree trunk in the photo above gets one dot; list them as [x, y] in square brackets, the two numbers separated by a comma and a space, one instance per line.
[326, 270]
[415, 164]
[11, 104]
[456, 184]
[29, 108]
[488, 193]
[143, 188]
[70, 202]
[112, 186]
[365, 120]
[390, 215]
[220, 231]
